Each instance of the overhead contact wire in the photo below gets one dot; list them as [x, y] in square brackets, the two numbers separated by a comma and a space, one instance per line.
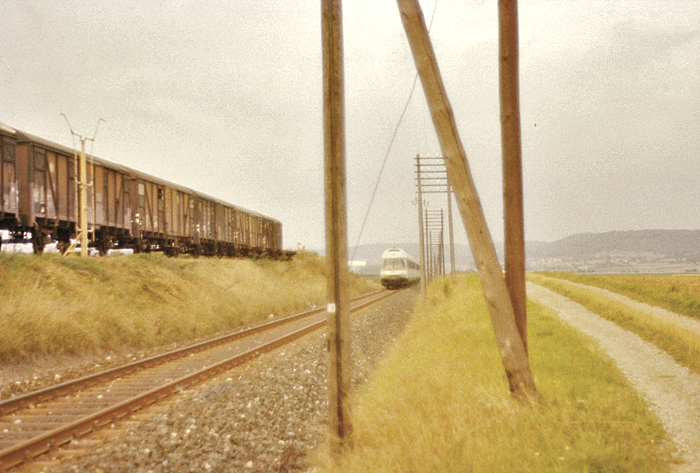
[388, 151]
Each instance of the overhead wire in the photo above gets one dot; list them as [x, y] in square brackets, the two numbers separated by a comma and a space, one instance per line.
[391, 144]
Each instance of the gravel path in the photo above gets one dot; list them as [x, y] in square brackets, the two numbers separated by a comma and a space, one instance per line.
[671, 390]
[265, 417]
[687, 323]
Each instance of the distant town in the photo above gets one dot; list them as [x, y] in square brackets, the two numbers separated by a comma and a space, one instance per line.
[639, 251]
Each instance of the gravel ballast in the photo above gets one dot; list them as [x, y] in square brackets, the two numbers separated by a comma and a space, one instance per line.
[266, 416]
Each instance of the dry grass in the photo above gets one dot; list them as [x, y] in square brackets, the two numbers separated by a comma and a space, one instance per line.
[52, 304]
[439, 401]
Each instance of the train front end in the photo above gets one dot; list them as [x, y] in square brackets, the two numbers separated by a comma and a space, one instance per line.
[398, 269]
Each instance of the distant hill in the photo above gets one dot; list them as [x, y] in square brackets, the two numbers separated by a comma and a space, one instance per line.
[583, 251]
[628, 249]
[661, 242]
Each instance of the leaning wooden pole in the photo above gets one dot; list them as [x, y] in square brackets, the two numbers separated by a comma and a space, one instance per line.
[512, 162]
[490, 273]
[336, 219]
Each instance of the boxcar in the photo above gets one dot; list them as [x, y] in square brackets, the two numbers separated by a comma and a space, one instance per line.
[125, 208]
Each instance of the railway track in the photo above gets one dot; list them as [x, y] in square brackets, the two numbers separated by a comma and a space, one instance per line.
[41, 421]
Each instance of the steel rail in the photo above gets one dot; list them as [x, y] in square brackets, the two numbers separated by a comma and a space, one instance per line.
[43, 443]
[10, 405]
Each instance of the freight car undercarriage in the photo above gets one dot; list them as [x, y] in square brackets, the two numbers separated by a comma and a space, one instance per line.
[110, 238]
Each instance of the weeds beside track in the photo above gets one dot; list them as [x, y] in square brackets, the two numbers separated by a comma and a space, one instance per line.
[39, 422]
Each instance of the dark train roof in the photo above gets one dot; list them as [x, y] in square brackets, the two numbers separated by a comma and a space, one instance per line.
[24, 137]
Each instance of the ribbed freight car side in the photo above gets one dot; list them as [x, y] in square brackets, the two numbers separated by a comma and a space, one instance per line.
[272, 231]
[47, 195]
[167, 217]
[109, 204]
[177, 220]
[148, 224]
[9, 192]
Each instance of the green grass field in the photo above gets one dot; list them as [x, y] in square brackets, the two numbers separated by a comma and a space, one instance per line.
[682, 344]
[440, 403]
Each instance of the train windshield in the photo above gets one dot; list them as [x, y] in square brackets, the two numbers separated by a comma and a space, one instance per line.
[394, 263]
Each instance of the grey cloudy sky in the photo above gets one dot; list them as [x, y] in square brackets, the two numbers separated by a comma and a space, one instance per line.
[226, 98]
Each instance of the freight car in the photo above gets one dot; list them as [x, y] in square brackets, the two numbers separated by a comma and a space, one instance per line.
[126, 208]
[9, 198]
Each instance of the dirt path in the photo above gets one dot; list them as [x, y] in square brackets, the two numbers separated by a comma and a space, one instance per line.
[672, 391]
[687, 323]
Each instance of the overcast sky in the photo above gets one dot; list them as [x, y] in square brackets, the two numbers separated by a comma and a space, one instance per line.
[225, 97]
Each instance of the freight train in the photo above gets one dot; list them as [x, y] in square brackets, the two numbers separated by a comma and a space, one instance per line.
[399, 269]
[125, 208]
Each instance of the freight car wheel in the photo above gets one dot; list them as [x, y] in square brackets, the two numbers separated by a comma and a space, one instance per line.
[38, 240]
[141, 246]
[104, 243]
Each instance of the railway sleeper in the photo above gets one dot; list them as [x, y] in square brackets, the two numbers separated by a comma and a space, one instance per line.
[18, 452]
[48, 423]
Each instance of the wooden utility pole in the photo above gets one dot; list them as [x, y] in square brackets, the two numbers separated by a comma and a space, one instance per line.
[512, 162]
[82, 186]
[82, 214]
[336, 219]
[421, 235]
[436, 183]
[490, 273]
[453, 270]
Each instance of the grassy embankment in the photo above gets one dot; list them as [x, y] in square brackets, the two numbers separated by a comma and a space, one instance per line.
[680, 294]
[51, 304]
[439, 402]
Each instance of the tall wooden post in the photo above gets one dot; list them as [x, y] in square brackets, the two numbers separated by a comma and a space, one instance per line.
[442, 242]
[512, 162]
[429, 248]
[82, 215]
[493, 283]
[453, 270]
[81, 188]
[421, 234]
[336, 219]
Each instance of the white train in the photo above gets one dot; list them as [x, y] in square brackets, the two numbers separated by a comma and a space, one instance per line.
[398, 269]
